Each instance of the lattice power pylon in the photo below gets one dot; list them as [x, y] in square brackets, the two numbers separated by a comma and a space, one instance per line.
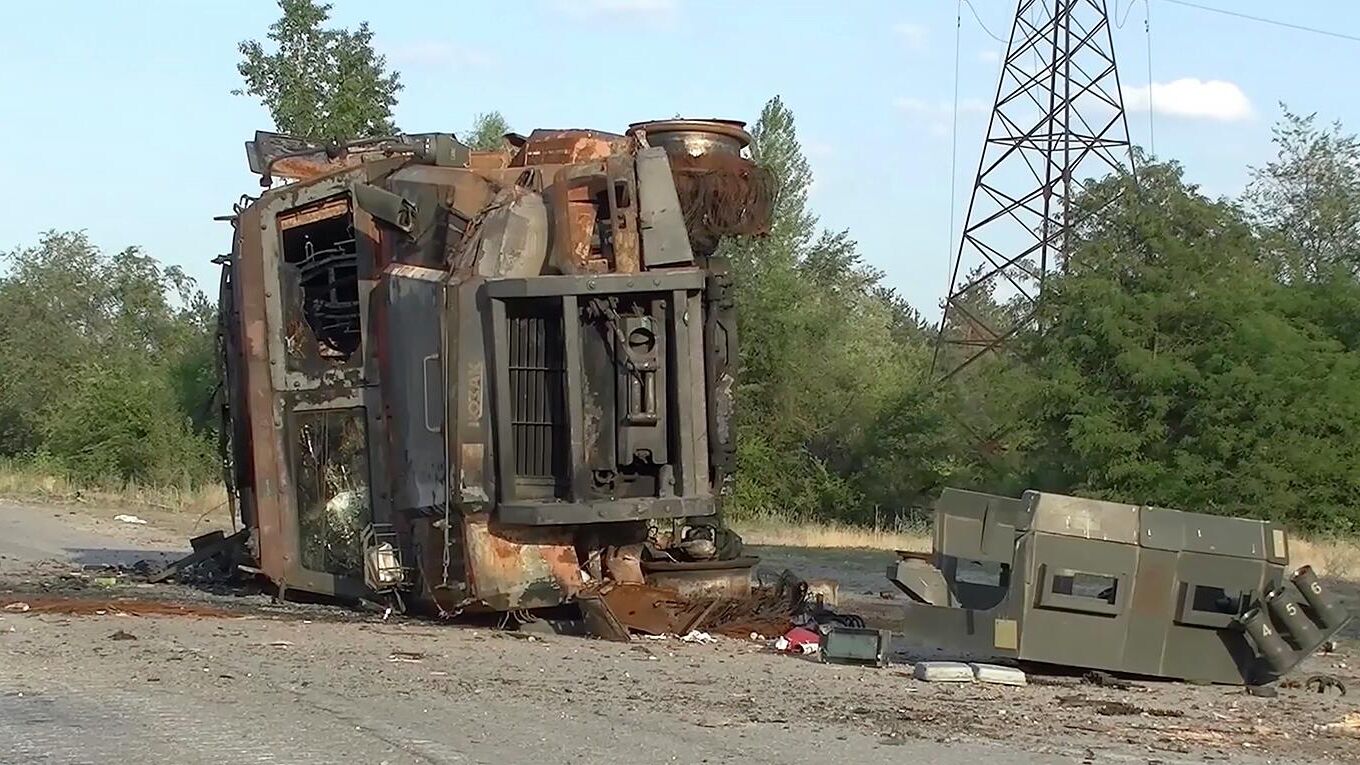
[1058, 119]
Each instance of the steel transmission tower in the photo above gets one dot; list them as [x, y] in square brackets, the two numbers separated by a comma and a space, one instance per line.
[1058, 119]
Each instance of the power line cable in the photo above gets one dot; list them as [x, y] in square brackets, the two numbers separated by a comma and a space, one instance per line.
[1127, 12]
[954, 145]
[993, 35]
[1263, 20]
[1147, 30]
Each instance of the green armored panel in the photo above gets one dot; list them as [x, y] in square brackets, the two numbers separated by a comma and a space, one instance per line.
[1077, 604]
[1150, 608]
[975, 526]
[1202, 643]
[1214, 534]
[1085, 518]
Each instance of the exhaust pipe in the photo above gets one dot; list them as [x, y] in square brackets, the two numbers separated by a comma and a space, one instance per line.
[1287, 612]
[1277, 654]
[1327, 612]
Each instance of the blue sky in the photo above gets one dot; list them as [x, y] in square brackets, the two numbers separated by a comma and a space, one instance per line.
[118, 118]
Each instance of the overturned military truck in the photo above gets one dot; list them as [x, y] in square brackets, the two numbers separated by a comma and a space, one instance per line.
[485, 379]
[1102, 585]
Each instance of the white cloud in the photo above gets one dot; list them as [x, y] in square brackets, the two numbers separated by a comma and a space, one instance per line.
[438, 53]
[1191, 98]
[913, 36]
[618, 8]
[989, 56]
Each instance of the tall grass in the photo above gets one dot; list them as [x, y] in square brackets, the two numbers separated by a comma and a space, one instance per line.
[37, 482]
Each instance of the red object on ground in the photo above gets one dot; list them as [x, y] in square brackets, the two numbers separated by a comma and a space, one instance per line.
[799, 636]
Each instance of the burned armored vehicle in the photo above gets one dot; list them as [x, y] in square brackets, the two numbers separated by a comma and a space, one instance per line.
[1125, 588]
[485, 379]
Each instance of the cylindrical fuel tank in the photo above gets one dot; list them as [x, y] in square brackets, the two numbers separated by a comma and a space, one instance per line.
[1273, 648]
[696, 137]
[1286, 610]
[1328, 612]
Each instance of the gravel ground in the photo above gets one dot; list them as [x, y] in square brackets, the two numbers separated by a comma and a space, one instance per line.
[239, 679]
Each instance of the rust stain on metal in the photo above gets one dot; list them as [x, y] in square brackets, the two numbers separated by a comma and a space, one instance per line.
[538, 568]
[331, 208]
[564, 147]
[307, 168]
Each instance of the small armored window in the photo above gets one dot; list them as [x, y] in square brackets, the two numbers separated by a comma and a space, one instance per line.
[1214, 600]
[1085, 585]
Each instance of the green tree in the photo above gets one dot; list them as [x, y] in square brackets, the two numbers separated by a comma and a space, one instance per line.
[488, 131]
[1178, 370]
[320, 83]
[1308, 199]
[105, 358]
[819, 346]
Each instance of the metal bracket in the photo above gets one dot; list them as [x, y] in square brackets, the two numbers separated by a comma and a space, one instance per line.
[392, 209]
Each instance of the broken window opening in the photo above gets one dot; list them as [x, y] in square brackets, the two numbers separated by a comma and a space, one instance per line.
[331, 449]
[325, 254]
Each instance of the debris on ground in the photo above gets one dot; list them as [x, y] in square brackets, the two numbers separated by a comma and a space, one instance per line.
[943, 672]
[410, 657]
[19, 606]
[1107, 680]
[1115, 708]
[122, 635]
[997, 674]
[1324, 684]
[129, 519]
[1348, 725]
[857, 646]
[698, 636]
[798, 640]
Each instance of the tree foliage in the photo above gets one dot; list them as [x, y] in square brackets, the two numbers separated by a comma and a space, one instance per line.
[1308, 199]
[320, 83]
[488, 131]
[107, 362]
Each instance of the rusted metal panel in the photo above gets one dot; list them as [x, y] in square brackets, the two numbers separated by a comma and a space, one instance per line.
[271, 483]
[536, 568]
[564, 147]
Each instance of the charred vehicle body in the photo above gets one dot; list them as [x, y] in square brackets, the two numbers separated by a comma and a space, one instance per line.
[1135, 589]
[486, 379]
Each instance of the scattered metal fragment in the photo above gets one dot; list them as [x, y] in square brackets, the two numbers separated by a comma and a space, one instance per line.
[122, 635]
[410, 657]
[998, 675]
[943, 672]
[1325, 684]
[856, 646]
[206, 546]
[1106, 680]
